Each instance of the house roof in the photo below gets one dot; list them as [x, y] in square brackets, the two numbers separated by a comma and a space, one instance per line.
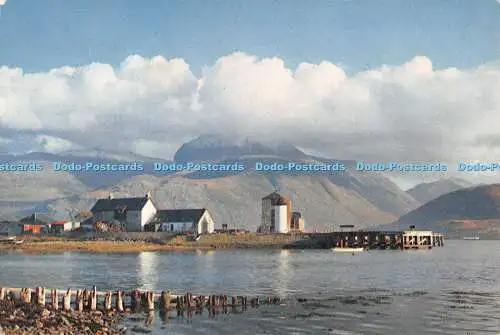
[179, 215]
[37, 218]
[274, 195]
[276, 199]
[131, 204]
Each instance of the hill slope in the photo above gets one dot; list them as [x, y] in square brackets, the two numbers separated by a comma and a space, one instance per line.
[462, 212]
[426, 192]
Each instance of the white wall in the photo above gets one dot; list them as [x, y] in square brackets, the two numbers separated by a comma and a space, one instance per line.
[281, 219]
[148, 212]
[210, 223]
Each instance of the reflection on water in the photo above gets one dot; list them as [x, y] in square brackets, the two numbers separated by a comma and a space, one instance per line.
[450, 290]
[284, 273]
[148, 270]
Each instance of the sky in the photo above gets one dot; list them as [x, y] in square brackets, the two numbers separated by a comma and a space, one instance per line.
[413, 80]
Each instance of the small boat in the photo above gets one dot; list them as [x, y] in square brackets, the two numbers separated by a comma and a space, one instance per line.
[348, 249]
[471, 238]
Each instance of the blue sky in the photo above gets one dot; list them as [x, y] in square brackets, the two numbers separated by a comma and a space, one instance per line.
[359, 34]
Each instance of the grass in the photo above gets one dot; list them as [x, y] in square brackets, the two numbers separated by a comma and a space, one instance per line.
[179, 243]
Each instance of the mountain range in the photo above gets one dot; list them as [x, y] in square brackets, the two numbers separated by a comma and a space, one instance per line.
[326, 199]
[465, 212]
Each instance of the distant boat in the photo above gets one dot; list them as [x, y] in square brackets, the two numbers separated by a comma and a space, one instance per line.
[471, 238]
[348, 249]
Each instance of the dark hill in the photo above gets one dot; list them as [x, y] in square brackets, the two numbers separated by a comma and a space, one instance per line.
[472, 210]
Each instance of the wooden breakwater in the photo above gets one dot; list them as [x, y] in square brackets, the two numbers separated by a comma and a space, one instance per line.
[127, 301]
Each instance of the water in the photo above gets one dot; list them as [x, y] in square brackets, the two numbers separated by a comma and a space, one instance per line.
[450, 290]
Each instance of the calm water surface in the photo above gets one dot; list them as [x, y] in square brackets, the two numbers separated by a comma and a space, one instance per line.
[450, 290]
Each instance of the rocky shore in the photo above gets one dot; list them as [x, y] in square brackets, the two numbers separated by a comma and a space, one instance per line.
[21, 318]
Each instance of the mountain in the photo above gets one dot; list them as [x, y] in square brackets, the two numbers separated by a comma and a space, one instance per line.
[426, 192]
[214, 148]
[91, 179]
[326, 199]
[474, 210]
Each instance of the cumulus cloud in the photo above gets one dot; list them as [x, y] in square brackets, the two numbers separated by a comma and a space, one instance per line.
[410, 112]
[2, 2]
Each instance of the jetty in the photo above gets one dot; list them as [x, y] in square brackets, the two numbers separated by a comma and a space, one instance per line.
[374, 239]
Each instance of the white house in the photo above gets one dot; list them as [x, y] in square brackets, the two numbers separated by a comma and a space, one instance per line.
[198, 221]
[133, 213]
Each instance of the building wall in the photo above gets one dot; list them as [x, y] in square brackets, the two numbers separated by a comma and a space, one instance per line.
[11, 229]
[148, 212]
[288, 204]
[210, 224]
[32, 229]
[104, 216]
[281, 219]
[266, 215]
[178, 227]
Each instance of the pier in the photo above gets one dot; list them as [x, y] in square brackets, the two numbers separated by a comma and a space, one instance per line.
[383, 240]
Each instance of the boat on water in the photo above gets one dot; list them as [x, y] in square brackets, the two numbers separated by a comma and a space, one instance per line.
[348, 249]
[471, 238]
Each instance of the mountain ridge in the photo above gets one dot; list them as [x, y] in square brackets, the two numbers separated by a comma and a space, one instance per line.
[326, 199]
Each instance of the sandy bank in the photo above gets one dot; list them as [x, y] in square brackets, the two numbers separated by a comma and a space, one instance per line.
[179, 243]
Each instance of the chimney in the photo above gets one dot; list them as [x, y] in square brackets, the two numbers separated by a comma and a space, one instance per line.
[110, 196]
[148, 195]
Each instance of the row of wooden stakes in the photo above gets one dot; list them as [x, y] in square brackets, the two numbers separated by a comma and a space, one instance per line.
[139, 300]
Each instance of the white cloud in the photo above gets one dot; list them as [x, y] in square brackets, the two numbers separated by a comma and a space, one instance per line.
[2, 2]
[407, 112]
[54, 145]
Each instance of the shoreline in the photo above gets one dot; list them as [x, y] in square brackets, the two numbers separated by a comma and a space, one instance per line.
[175, 244]
[23, 318]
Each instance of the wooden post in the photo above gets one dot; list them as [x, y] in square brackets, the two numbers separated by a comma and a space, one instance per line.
[55, 301]
[67, 300]
[165, 300]
[144, 300]
[93, 299]
[85, 299]
[40, 296]
[3, 293]
[119, 301]
[150, 301]
[107, 301]
[134, 300]
[79, 300]
[179, 303]
[26, 295]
